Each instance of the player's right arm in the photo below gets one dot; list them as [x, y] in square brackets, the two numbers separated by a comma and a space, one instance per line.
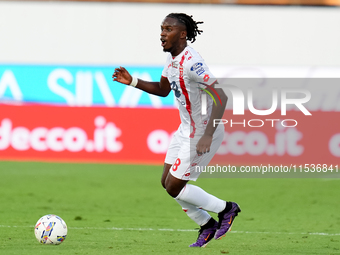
[161, 88]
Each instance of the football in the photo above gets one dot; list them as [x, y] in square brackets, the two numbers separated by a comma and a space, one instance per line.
[50, 229]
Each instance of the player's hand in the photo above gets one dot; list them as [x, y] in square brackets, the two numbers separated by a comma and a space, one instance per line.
[203, 145]
[122, 75]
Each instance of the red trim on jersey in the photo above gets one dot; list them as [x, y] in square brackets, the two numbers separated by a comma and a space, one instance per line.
[186, 95]
[213, 83]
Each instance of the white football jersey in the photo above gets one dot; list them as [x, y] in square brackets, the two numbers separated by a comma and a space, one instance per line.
[188, 76]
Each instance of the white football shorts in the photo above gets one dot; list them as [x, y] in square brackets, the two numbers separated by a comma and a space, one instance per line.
[183, 157]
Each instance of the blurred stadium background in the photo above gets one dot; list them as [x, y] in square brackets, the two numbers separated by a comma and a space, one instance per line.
[58, 104]
[63, 53]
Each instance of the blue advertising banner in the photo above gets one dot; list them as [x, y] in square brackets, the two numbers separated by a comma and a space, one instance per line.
[77, 86]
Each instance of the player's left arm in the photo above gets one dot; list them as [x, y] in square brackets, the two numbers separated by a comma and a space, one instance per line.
[204, 143]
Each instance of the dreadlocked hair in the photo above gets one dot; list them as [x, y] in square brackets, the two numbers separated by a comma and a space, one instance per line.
[189, 23]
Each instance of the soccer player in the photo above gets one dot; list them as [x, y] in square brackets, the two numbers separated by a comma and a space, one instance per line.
[196, 140]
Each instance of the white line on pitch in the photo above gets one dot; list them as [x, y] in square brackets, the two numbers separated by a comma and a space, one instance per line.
[185, 230]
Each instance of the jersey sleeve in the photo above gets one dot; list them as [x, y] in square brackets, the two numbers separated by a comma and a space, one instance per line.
[165, 72]
[199, 72]
[166, 68]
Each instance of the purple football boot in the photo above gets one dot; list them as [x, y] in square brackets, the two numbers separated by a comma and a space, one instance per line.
[226, 219]
[206, 234]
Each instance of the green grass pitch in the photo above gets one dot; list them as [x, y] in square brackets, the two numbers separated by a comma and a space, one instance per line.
[122, 209]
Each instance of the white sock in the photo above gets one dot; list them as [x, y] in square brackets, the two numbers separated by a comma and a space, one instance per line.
[198, 197]
[200, 216]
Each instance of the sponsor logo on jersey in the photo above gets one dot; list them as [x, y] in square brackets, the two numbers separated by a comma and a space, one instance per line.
[174, 64]
[196, 66]
[200, 71]
[206, 78]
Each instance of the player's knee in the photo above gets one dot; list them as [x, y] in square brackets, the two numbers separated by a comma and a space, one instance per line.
[172, 190]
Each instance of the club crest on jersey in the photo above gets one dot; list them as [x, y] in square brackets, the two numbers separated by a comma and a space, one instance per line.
[174, 64]
[196, 66]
